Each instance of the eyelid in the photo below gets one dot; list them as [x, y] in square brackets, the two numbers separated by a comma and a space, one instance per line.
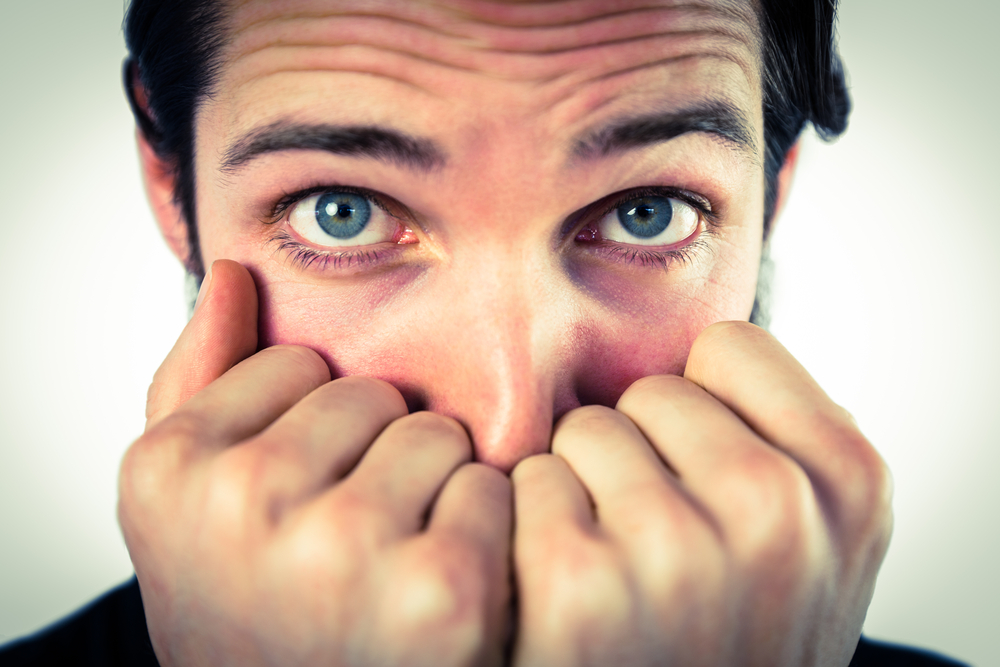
[288, 201]
[646, 256]
[696, 201]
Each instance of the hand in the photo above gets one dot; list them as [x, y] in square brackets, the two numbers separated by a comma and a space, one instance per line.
[735, 516]
[277, 518]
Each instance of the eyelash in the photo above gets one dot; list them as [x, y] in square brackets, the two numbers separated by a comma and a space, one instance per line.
[305, 257]
[302, 256]
[643, 256]
[289, 200]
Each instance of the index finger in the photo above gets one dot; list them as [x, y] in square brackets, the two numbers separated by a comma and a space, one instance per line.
[750, 372]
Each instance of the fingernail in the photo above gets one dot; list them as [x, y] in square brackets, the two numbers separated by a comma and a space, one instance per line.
[205, 283]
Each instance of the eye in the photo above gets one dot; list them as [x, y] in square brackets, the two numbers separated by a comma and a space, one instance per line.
[649, 220]
[341, 219]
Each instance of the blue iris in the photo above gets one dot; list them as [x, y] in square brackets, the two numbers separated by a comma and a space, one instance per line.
[645, 217]
[342, 214]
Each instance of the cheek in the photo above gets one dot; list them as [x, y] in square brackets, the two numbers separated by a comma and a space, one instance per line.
[638, 327]
[359, 329]
[654, 339]
[587, 349]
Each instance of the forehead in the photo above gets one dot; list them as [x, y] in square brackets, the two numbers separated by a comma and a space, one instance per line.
[417, 64]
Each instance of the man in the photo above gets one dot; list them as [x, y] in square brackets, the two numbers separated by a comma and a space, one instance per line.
[469, 380]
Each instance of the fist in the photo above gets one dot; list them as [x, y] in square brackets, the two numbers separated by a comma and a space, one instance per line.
[733, 516]
[277, 518]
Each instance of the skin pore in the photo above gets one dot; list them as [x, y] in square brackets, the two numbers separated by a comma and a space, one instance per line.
[487, 295]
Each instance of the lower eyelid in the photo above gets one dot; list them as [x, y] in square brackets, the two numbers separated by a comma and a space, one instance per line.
[308, 258]
[644, 257]
[651, 256]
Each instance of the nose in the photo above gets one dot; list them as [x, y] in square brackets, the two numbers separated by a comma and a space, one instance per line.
[497, 363]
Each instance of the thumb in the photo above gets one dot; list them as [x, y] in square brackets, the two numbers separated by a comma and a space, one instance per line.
[221, 333]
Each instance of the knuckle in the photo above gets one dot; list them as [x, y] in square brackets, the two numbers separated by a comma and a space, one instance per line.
[335, 540]
[666, 525]
[140, 486]
[776, 508]
[154, 461]
[354, 522]
[237, 481]
[590, 587]
[332, 553]
[865, 485]
[444, 586]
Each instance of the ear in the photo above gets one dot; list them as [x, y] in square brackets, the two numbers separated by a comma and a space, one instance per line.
[159, 178]
[785, 178]
[158, 175]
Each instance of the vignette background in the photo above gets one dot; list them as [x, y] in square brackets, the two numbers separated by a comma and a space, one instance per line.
[886, 288]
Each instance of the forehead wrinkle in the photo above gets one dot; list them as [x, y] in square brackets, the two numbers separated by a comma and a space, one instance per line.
[570, 12]
[748, 70]
[500, 13]
[401, 68]
[611, 28]
[574, 67]
[405, 35]
[537, 53]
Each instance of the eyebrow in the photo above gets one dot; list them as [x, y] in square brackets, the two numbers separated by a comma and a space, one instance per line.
[371, 141]
[721, 119]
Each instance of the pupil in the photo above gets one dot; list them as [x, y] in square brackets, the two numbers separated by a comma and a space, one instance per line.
[342, 215]
[645, 217]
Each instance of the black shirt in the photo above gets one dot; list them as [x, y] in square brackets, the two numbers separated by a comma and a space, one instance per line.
[111, 632]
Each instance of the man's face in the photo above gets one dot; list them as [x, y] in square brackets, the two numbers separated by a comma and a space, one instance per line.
[504, 210]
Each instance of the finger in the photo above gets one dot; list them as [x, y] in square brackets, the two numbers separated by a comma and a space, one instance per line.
[754, 376]
[712, 451]
[475, 504]
[221, 333]
[405, 468]
[687, 426]
[547, 496]
[246, 399]
[323, 436]
[624, 476]
[450, 586]
[474, 511]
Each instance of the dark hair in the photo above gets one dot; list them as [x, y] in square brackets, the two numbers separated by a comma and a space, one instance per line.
[175, 46]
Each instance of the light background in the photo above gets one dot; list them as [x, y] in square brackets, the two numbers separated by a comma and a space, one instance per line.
[886, 289]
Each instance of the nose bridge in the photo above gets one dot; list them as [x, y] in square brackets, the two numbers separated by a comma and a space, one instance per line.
[501, 380]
